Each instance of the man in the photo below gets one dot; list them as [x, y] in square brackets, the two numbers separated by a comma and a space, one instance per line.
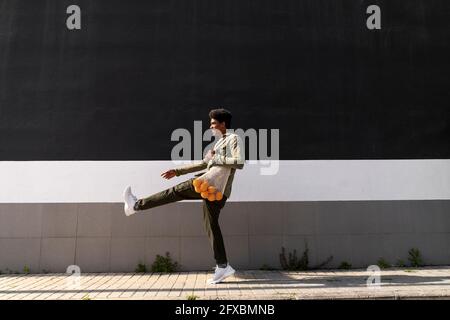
[226, 152]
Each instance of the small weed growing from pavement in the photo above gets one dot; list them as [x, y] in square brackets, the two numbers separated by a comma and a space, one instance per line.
[267, 267]
[293, 263]
[345, 265]
[324, 263]
[26, 270]
[141, 268]
[409, 270]
[192, 297]
[302, 264]
[400, 263]
[383, 264]
[415, 257]
[164, 264]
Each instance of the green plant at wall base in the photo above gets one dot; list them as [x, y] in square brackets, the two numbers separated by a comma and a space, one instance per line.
[293, 263]
[164, 264]
[400, 263]
[26, 270]
[267, 267]
[192, 297]
[383, 264]
[415, 257]
[345, 265]
[141, 268]
[323, 264]
[302, 264]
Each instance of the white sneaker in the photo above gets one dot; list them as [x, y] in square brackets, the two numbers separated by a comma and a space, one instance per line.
[130, 201]
[221, 273]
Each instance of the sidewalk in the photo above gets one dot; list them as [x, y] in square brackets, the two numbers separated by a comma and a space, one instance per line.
[399, 283]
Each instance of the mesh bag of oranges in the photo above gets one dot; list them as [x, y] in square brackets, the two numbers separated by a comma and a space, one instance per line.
[211, 185]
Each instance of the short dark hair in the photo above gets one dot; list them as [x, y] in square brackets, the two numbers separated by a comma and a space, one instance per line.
[221, 115]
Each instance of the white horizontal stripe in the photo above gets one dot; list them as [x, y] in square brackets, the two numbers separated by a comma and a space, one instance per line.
[317, 180]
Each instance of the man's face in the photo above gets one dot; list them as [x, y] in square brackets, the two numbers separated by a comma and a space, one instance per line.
[217, 127]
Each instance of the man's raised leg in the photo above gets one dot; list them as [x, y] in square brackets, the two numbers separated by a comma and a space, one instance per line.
[182, 191]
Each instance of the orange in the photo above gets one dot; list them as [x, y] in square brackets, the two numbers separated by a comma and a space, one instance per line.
[211, 189]
[197, 189]
[197, 182]
[219, 196]
[211, 197]
[204, 195]
[204, 186]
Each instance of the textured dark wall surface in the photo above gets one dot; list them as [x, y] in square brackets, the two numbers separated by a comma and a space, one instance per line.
[117, 88]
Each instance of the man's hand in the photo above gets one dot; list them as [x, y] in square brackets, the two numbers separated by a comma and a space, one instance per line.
[168, 174]
[209, 155]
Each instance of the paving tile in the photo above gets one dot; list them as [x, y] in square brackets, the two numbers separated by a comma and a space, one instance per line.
[49, 289]
[167, 285]
[154, 290]
[133, 286]
[178, 285]
[245, 284]
[105, 287]
[142, 285]
[121, 286]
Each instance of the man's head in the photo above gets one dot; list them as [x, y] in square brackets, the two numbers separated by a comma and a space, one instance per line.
[220, 120]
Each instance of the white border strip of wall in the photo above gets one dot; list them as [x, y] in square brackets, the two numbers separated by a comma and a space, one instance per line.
[306, 180]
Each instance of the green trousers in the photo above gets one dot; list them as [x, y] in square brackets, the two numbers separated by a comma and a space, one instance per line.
[211, 210]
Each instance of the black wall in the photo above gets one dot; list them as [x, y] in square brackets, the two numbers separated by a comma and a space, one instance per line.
[139, 69]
